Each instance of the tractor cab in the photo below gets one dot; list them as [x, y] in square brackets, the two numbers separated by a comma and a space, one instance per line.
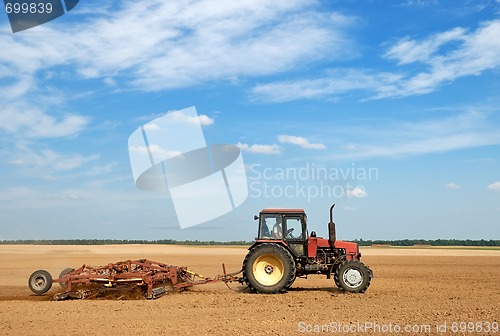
[288, 225]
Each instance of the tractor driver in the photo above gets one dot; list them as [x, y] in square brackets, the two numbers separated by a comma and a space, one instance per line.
[277, 228]
[265, 229]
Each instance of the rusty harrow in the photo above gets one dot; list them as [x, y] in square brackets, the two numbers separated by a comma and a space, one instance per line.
[153, 279]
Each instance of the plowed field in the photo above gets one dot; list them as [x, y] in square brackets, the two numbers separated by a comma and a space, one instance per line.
[414, 291]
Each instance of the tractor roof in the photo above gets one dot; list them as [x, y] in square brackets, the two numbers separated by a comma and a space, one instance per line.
[282, 210]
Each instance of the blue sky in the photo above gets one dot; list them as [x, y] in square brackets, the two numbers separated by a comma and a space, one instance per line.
[390, 109]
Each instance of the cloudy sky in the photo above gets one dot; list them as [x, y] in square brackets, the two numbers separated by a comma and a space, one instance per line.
[390, 109]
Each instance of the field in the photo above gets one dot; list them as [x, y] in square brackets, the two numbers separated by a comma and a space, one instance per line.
[417, 291]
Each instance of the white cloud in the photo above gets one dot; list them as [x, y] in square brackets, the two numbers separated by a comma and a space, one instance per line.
[149, 117]
[109, 81]
[300, 141]
[495, 186]
[138, 149]
[20, 86]
[336, 82]
[395, 138]
[453, 186]
[155, 46]
[177, 116]
[47, 159]
[205, 120]
[425, 146]
[358, 192]
[152, 127]
[30, 121]
[409, 51]
[476, 52]
[425, 65]
[260, 149]
[155, 149]
[419, 3]
[350, 147]
[101, 169]
[163, 45]
[202, 119]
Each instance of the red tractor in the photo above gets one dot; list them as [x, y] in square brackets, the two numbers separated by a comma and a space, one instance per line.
[284, 251]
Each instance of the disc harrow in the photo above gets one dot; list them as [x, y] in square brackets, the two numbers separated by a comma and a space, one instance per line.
[150, 278]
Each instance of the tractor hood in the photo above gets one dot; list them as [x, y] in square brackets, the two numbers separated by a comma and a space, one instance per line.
[351, 249]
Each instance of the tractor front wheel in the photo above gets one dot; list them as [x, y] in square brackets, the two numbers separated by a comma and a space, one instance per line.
[269, 269]
[353, 276]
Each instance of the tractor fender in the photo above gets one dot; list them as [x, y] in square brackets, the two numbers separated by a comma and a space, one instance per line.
[274, 241]
[269, 241]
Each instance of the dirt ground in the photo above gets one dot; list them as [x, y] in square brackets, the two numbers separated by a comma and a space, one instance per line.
[414, 292]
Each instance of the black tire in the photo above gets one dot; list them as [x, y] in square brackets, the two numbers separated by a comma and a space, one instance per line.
[353, 276]
[40, 282]
[269, 269]
[64, 285]
[335, 278]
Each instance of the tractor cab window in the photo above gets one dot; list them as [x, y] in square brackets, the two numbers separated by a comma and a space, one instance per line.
[293, 227]
[270, 227]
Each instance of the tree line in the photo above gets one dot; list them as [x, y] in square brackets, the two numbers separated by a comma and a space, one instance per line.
[361, 242]
[431, 242]
[118, 242]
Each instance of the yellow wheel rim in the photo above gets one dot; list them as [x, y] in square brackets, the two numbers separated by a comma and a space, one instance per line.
[268, 270]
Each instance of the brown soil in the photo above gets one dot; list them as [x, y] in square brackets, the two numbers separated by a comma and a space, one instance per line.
[421, 289]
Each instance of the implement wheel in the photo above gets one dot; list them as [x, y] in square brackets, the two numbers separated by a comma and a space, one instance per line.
[269, 269]
[40, 282]
[64, 285]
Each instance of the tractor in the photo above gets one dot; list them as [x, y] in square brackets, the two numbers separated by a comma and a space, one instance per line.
[283, 251]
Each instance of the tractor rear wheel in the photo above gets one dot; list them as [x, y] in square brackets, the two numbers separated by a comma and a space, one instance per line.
[353, 276]
[269, 269]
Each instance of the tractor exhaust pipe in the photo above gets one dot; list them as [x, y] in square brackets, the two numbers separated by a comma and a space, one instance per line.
[332, 235]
